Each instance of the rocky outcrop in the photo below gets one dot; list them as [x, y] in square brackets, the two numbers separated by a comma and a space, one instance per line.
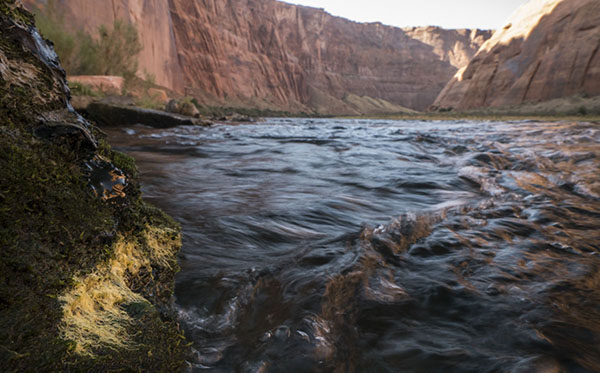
[269, 54]
[86, 267]
[548, 49]
[106, 114]
[103, 83]
[454, 46]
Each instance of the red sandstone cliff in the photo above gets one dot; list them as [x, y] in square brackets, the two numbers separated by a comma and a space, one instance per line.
[269, 54]
[547, 50]
[152, 18]
[267, 51]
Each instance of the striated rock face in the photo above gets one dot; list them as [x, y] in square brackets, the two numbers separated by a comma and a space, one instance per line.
[454, 46]
[547, 50]
[269, 54]
[298, 56]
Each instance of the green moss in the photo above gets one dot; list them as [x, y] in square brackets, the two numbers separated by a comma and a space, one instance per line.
[54, 230]
[22, 101]
[159, 348]
[120, 160]
[9, 9]
[148, 101]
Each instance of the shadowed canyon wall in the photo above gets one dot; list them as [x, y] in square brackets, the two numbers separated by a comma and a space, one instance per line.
[549, 49]
[152, 19]
[269, 54]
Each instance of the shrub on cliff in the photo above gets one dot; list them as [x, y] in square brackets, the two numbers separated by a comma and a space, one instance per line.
[118, 49]
[113, 52]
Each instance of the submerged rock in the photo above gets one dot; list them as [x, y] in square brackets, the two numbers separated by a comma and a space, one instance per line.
[237, 118]
[80, 251]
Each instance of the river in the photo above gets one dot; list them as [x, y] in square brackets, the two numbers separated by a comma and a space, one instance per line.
[382, 246]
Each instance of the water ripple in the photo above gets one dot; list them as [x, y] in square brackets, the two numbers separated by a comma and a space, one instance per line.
[380, 245]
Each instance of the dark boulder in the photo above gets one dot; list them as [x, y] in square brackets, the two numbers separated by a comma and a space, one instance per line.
[117, 115]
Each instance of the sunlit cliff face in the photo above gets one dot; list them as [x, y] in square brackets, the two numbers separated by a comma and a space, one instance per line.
[546, 51]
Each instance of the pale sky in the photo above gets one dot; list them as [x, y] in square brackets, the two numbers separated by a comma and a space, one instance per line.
[487, 14]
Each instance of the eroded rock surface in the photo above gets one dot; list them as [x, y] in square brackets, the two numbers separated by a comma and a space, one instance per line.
[548, 49]
[269, 54]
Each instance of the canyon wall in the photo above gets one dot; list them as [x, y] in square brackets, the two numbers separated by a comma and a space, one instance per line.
[269, 54]
[152, 19]
[547, 50]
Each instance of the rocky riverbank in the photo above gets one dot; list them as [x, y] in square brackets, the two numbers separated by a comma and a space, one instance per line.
[86, 266]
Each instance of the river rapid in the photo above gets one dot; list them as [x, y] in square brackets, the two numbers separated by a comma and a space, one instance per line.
[382, 246]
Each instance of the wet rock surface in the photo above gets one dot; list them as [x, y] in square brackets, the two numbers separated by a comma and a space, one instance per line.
[107, 181]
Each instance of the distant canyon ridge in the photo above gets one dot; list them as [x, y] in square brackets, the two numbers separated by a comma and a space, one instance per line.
[270, 54]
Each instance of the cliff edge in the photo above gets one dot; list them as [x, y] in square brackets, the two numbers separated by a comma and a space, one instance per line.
[547, 50]
[86, 267]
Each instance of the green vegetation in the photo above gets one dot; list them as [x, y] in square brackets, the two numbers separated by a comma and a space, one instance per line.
[149, 101]
[78, 89]
[220, 111]
[574, 108]
[149, 80]
[113, 52]
[117, 50]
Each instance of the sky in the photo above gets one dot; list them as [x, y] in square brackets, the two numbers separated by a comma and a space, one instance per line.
[486, 14]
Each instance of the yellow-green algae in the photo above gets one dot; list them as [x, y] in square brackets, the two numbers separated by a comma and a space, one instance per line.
[85, 283]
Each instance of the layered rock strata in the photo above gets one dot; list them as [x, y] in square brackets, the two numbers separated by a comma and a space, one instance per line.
[269, 54]
[549, 49]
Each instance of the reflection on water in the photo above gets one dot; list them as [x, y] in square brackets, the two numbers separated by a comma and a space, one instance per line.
[348, 245]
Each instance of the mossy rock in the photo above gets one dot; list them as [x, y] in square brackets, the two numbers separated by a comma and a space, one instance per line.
[59, 235]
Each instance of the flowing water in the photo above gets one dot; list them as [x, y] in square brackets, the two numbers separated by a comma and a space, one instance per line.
[380, 246]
